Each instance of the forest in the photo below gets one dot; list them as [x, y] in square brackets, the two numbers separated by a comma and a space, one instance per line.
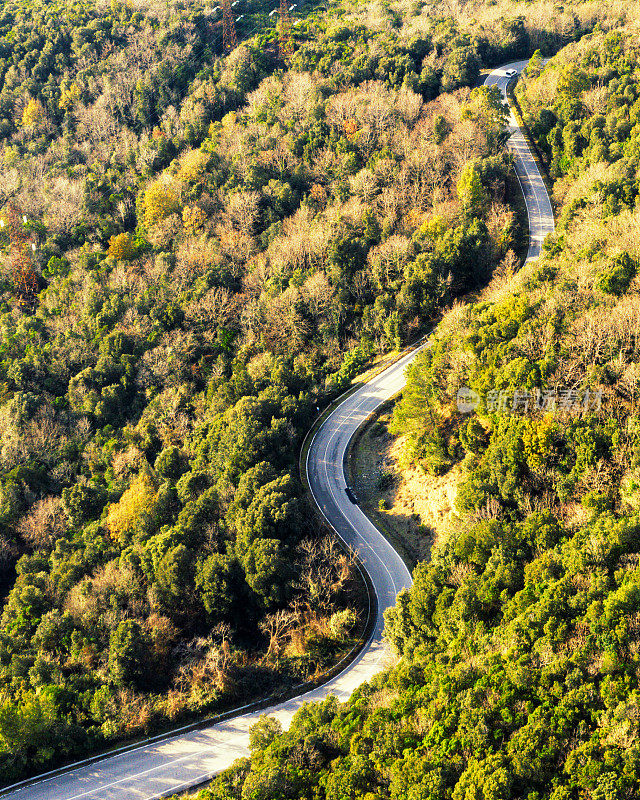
[519, 643]
[199, 249]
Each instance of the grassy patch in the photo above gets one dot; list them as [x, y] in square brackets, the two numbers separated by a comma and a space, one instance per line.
[376, 479]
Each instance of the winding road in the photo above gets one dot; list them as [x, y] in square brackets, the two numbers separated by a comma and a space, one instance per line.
[539, 208]
[163, 766]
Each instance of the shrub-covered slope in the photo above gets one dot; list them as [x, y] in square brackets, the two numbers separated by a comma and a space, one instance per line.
[198, 250]
[521, 638]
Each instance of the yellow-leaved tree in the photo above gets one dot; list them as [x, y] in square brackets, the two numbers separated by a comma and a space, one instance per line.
[123, 515]
[122, 247]
[33, 113]
[193, 165]
[69, 96]
[158, 202]
[193, 219]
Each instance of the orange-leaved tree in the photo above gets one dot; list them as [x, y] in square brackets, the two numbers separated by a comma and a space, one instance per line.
[23, 271]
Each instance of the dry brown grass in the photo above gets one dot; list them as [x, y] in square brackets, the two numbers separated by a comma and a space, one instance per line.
[300, 637]
[419, 508]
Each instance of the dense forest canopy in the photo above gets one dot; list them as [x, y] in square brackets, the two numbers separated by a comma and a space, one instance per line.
[520, 639]
[198, 249]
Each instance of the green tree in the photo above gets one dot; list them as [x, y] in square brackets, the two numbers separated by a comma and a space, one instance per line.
[263, 732]
[169, 463]
[573, 81]
[441, 129]
[488, 110]
[470, 191]
[28, 726]
[174, 577]
[535, 65]
[81, 503]
[266, 570]
[220, 583]
[488, 779]
[128, 649]
[461, 69]
[616, 280]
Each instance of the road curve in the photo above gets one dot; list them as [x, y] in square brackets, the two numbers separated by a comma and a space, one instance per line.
[539, 208]
[159, 768]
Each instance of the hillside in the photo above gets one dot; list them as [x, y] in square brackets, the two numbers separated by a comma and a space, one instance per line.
[519, 639]
[198, 250]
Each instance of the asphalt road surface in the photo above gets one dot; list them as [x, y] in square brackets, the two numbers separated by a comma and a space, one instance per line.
[159, 768]
[539, 209]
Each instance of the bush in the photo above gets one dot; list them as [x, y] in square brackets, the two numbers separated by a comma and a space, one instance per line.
[385, 481]
[342, 623]
[617, 279]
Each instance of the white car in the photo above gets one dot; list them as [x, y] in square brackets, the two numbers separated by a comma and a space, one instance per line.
[511, 73]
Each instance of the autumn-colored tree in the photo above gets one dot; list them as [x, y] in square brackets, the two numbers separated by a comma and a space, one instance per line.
[33, 114]
[159, 201]
[44, 523]
[193, 219]
[318, 194]
[243, 209]
[229, 35]
[124, 514]
[192, 166]
[350, 126]
[285, 43]
[122, 247]
[69, 95]
[24, 276]
[13, 222]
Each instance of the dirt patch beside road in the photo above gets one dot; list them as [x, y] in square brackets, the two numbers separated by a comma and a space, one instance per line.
[413, 509]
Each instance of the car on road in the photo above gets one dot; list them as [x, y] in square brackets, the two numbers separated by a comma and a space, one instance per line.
[351, 495]
[511, 73]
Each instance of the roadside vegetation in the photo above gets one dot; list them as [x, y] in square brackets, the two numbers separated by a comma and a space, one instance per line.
[520, 637]
[197, 251]
[386, 491]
